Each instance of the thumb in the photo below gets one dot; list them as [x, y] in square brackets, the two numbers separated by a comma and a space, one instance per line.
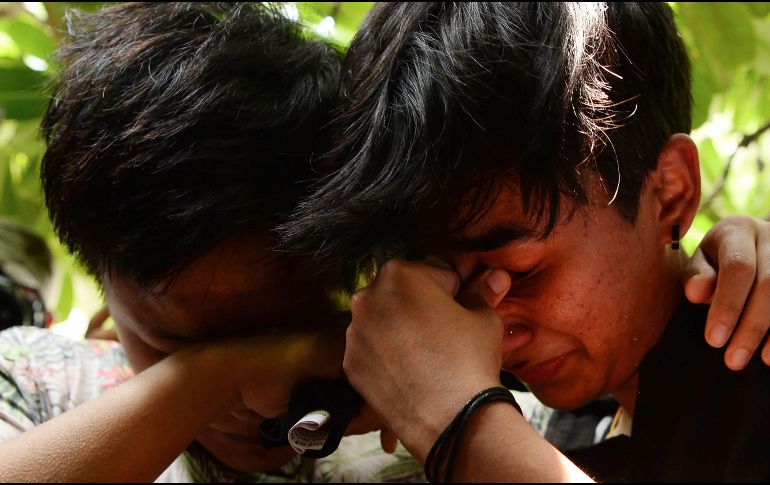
[485, 290]
[699, 279]
[388, 440]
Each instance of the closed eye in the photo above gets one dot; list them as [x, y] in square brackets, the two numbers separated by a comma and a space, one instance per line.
[520, 275]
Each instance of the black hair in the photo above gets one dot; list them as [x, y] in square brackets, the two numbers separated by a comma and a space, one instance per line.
[440, 102]
[174, 125]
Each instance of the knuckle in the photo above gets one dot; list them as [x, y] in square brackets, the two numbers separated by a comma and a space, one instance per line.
[739, 264]
[358, 299]
[491, 317]
[347, 365]
[734, 221]
[393, 268]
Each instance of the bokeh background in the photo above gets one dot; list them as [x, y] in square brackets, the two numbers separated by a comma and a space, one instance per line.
[729, 44]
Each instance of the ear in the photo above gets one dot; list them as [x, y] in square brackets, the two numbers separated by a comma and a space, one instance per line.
[677, 181]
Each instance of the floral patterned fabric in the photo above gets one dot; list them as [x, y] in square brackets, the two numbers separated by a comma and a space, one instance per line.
[43, 375]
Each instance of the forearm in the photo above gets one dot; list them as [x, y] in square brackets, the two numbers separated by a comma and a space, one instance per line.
[131, 433]
[498, 445]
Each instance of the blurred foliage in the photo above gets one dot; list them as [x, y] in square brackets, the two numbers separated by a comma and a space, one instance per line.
[729, 44]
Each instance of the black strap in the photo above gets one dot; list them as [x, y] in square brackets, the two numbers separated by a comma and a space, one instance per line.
[335, 396]
[447, 445]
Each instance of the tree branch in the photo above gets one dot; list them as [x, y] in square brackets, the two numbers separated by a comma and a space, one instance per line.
[335, 10]
[720, 185]
[54, 23]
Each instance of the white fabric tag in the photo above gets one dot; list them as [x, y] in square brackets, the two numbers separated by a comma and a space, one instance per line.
[309, 433]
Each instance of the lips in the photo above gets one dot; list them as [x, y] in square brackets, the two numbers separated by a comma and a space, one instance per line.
[538, 373]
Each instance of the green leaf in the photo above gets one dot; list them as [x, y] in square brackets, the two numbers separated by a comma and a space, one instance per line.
[8, 202]
[21, 106]
[700, 226]
[711, 164]
[748, 99]
[30, 36]
[66, 296]
[704, 86]
[61, 7]
[762, 62]
[760, 9]
[21, 92]
[15, 76]
[347, 17]
[724, 34]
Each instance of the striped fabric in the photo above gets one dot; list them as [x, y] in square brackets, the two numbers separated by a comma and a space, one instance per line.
[43, 375]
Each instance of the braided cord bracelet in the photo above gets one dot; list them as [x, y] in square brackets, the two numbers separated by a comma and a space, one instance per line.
[447, 445]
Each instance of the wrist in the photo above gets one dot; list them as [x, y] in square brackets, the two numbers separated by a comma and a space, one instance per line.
[208, 367]
[419, 435]
[445, 452]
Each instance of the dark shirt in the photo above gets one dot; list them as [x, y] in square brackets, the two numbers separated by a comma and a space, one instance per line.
[695, 420]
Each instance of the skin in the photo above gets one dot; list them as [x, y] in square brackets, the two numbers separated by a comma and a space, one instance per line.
[595, 295]
[221, 347]
[241, 324]
[231, 292]
[737, 249]
[575, 300]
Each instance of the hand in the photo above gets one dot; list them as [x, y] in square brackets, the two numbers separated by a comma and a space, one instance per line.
[415, 354]
[265, 369]
[96, 329]
[259, 375]
[731, 271]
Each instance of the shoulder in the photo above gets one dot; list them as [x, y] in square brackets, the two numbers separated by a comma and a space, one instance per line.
[682, 360]
[696, 419]
[34, 355]
[43, 374]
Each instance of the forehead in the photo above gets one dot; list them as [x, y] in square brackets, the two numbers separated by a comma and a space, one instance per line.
[501, 220]
[240, 286]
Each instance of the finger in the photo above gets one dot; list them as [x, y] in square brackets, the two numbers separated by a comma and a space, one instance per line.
[437, 262]
[97, 321]
[737, 266]
[397, 272]
[485, 290]
[700, 278]
[755, 319]
[388, 440]
[365, 421]
[446, 275]
[766, 353]
[447, 278]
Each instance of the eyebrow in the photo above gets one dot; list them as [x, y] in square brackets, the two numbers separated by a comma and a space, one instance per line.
[495, 237]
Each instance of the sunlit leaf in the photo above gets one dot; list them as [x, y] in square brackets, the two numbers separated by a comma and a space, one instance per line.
[31, 37]
[21, 91]
[8, 199]
[759, 8]
[66, 296]
[724, 32]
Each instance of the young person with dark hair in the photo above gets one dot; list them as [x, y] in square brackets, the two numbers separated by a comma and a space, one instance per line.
[540, 149]
[178, 136]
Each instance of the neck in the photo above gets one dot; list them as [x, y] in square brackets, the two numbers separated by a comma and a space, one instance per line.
[665, 302]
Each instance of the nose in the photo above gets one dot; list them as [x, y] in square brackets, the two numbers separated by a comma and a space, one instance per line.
[515, 336]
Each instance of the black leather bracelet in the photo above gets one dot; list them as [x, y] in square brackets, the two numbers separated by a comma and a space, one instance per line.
[446, 447]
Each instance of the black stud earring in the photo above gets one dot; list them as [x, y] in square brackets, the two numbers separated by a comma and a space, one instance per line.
[675, 236]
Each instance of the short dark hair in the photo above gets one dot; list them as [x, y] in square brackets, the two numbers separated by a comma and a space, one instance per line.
[439, 100]
[174, 125]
